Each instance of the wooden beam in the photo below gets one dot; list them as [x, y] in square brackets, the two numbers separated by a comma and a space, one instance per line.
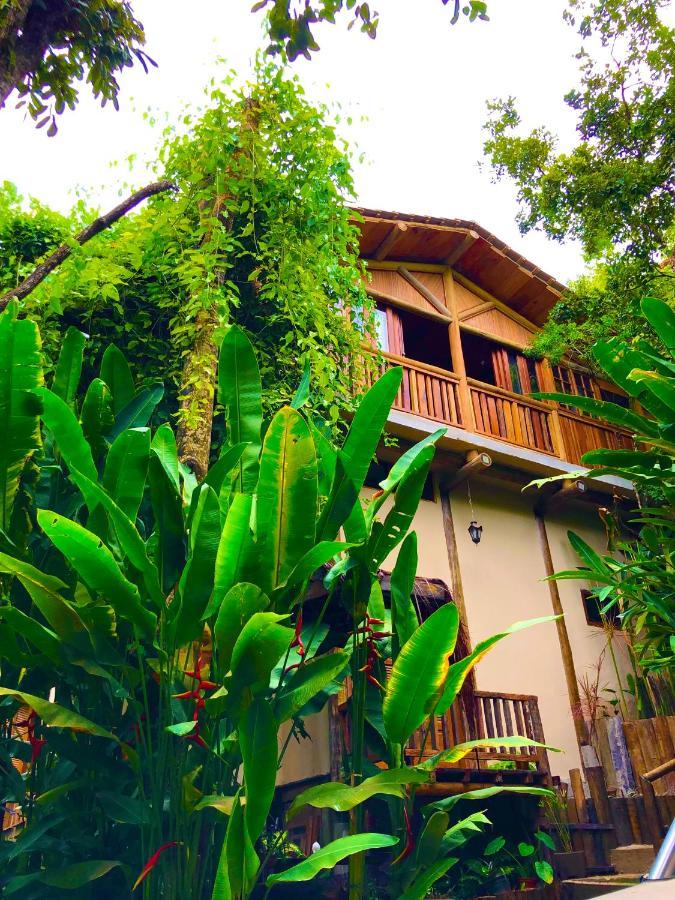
[475, 462]
[395, 232]
[404, 304]
[477, 310]
[453, 560]
[423, 290]
[571, 490]
[457, 353]
[391, 266]
[490, 298]
[469, 240]
[563, 636]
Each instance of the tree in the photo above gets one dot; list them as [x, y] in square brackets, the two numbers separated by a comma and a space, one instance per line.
[48, 46]
[614, 191]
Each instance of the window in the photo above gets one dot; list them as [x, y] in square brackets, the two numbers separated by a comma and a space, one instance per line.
[614, 397]
[381, 331]
[492, 363]
[594, 616]
[575, 383]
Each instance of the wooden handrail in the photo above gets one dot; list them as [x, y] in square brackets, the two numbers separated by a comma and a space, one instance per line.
[509, 395]
[421, 366]
[500, 695]
[589, 419]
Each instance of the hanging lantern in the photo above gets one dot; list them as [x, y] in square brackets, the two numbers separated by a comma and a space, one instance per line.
[476, 531]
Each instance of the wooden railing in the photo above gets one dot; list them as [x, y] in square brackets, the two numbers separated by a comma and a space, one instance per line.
[427, 391]
[581, 434]
[494, 715]
[512, 418]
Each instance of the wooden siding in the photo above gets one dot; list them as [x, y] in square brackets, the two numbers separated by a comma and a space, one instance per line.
[394, 285]
[494, 323]
[512, 418]
[581, 434]
[427, 391]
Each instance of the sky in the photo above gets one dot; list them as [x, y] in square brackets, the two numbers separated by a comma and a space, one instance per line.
[416, 97]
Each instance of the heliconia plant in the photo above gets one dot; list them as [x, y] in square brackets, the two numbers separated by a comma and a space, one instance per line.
[152, 642]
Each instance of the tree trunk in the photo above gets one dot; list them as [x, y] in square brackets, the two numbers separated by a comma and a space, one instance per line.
[24, 39]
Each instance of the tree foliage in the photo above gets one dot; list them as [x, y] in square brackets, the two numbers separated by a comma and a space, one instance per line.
[614, 190]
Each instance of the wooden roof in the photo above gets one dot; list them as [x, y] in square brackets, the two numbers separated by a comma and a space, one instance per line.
[469, 249]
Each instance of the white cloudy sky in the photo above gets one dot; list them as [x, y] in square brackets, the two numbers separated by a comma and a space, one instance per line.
[416, 96]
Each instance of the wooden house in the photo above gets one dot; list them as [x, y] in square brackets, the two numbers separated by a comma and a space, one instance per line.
[456, 308]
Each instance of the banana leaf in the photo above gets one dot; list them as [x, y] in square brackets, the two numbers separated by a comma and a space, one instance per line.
[117, 375]
[259, 750]
[331, 855]
[240, 392]
[96, 416]
[69, 366]
[68, 434]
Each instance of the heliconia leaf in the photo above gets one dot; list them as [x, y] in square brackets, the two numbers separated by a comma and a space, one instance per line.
[43, 639]
[459, 670]
[240, 392]
[259, 647]
[67, 431]
[421, 886]
[69, 365]
[116, 373]
[166, 450]
[216, 801]
[316, 557]
[182, 728]
[46, 592]
[138, 411]
[234, 549]
[260, 751]
[404, 619]
[20, 376]
[659, 386]
[400, 516]
[429, 841]
[124, 809]
[168, 511]
[217, 476]
[57, 716]
[661, 317]
[326, 457]
[127, 535]
[96, 416]
[459, 751]
[238, 864]
[152, 862]
[592, 559]
[301, 395]
[331, 855]
[79, 874]
[447, 803]
[342, 797]
[308, 680]
[611, 412]
[126, 470]
[97, 567]
[287, 497]
[196, 583]
[419, 674]
[236, 608]
[357, 452]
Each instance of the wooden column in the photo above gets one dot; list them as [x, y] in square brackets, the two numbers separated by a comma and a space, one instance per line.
[453, 558]
[457, 353]
[563, 636]
[556, 425]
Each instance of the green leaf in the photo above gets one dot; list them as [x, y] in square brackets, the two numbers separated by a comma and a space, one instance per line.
[117, 375]
[587, 554]
[137, 412]
[57, 716]
[661, 317]
[494, 846]
[196, 583]
[67, 431]
[421, 886]
[45, 640]
[525, 850]
[447, 803]
[342, 797]
[312, 560]
[546, 840]
[403, 614]
[20, 375]
[234, 550]
[126, 810]
[127, 535]
[168, 510]
[419, 674]
[69, 366]
[259, 750]
[46, 593]
[429, 842]
[238, 864]
[216, 801]
[287, 497]
[459, 670]
[659, 386]
[259, 647]
[77, 875]
[308, 680]
[96, 417]
[240, 392]
[331, 855]
[459, 751]
[126, 470]
[181, 728]
[603, 409]
[97, 567]
[544, 870]
[166, 450]
[302, 394]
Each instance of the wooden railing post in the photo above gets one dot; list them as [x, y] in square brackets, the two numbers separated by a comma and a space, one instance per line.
[457, 353]
[556, 427]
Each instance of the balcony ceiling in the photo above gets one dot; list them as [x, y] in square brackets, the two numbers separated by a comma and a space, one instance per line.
[469, 249]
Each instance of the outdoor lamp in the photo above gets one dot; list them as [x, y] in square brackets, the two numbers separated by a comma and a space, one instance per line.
[475, 530]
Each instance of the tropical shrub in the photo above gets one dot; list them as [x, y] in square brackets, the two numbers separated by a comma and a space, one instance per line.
[636, 578]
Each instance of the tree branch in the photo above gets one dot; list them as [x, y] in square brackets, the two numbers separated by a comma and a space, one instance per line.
[62, 253]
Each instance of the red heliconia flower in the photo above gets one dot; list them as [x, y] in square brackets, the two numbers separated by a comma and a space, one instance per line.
[410, 840]
[152, 862]
[36, 744]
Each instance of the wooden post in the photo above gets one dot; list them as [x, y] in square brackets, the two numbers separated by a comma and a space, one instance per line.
[582, 815]
[652, 814]
[556, 426]
[453, 559]
[563, 636]
[598, 790]
[457, 353]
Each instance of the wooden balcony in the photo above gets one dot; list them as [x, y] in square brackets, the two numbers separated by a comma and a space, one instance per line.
[545, 427]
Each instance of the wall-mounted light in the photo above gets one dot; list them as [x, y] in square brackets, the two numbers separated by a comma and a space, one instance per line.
[476, 531]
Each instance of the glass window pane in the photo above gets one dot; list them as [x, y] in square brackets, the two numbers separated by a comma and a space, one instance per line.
[381, 330]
